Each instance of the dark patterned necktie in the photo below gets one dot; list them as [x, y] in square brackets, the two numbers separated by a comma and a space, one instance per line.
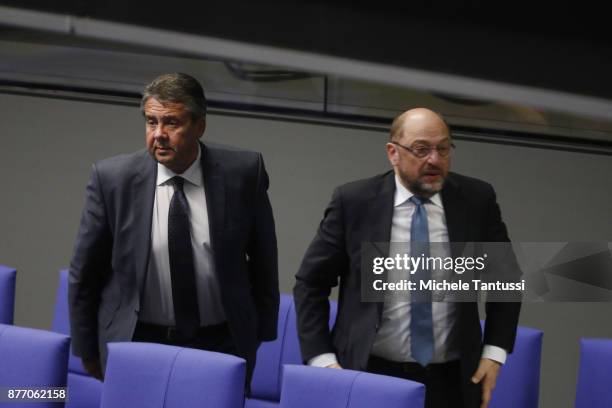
[182, 271]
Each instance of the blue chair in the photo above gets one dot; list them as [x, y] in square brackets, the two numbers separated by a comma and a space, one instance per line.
[85, 391]
[518, 383]
[32, 358]
[265, 385]
[7, 294]
[307, 387]
[291, 350]
[595, 374]
[272, 356]
[151, 375]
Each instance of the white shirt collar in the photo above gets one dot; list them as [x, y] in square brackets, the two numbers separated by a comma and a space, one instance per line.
[193, 174]
[402, 194]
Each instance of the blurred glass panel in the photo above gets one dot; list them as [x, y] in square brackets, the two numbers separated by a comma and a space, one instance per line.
[58, 63]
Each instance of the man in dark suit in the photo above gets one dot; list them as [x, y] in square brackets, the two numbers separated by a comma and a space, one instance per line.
[438, 344]
[177, 242]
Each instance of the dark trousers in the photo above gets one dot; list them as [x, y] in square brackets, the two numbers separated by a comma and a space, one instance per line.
[212, 338]
[442, 381]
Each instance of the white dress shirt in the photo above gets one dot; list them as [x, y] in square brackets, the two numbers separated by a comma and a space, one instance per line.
[157, 306]
[392, 341]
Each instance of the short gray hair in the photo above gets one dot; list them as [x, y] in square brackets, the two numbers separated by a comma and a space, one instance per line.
[177, 88]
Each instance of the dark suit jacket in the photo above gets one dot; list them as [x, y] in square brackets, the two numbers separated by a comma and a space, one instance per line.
[361, 212]
[108, 269]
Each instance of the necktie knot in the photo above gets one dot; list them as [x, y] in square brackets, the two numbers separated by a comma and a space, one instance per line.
[418, 201]
[177, 182]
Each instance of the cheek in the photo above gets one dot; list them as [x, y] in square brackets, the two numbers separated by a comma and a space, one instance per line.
[446, 167]
[414, 169]
[175, 139]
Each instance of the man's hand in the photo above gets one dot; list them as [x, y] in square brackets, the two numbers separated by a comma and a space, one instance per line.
[487, 374]
[93, 367]
[335, 365]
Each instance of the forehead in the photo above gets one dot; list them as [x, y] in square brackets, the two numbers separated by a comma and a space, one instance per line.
[153, 107]
[426, 131]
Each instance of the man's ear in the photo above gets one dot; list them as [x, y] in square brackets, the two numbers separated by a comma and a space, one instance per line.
[202, 126]
[392, 154]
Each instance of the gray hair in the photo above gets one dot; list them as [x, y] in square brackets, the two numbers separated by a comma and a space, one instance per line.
[177, 88]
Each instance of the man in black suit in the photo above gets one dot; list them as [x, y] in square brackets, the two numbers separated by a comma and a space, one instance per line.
[447, 354]
[177, 242]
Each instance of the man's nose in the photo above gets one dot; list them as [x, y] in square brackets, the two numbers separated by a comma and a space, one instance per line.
[159, 132]
[434, 157]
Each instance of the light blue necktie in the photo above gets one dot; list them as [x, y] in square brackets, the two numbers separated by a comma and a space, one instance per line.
[421, 326]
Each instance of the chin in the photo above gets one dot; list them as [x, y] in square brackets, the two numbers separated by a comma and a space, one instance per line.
[429, 188]
[434, 190]
[163, 158]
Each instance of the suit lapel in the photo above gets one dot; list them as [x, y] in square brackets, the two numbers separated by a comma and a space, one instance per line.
[455, 211]
[143, 196]
[214, 185]
[380, 210]
[380, 216]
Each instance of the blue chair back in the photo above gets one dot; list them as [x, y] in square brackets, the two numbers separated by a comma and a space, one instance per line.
[518, 383]
[149, 375]
[307, 387]
[265, 384]
[272, 356]
[594, 388]
[33, 358]
[7, 294]
[85, 391]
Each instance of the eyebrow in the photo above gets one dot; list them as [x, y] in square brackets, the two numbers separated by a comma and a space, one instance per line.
[165, 117]
[445, 139]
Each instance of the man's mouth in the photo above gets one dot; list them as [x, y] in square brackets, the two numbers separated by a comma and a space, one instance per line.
[432, 175]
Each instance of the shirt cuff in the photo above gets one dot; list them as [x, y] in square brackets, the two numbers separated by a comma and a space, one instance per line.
[323, 360]
[494, 353]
